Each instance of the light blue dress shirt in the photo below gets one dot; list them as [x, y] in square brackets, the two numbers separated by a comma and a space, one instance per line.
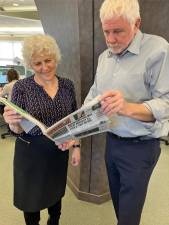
[141, 73]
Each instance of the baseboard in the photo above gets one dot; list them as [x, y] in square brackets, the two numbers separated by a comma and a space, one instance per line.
[88, 197]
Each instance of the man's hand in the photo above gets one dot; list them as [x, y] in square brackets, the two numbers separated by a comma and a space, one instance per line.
[113, 102]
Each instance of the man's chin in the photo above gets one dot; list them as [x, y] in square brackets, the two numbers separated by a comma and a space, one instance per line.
[117, 50]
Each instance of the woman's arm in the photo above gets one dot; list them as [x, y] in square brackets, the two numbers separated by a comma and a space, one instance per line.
[13, 119]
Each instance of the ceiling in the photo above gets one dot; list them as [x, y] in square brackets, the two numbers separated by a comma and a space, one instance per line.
[10, 4]
[21, 19]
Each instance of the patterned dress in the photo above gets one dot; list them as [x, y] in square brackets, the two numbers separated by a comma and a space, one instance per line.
[40, 168]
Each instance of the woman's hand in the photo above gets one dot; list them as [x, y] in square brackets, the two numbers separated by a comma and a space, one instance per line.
[66, 145]
[11, 116]
[75, 160]
[13, 119]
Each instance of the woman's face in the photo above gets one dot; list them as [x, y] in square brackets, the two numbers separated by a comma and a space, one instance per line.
[44, 66]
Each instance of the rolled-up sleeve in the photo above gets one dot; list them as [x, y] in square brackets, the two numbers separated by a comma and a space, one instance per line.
[158, 68]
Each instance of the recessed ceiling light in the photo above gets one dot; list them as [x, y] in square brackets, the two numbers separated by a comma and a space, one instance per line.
[15, 4]
[21, 30]
[20, 8]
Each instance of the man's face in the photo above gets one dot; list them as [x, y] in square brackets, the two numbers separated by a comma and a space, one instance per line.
[119, 33]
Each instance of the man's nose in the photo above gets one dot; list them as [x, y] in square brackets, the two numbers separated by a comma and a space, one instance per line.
[111, 38]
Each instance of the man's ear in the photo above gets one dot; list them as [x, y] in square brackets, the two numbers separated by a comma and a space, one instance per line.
[137, 23]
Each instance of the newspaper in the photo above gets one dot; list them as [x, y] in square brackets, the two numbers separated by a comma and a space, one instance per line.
[86, 121]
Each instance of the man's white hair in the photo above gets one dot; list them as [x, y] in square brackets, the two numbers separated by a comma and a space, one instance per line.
[129, 9]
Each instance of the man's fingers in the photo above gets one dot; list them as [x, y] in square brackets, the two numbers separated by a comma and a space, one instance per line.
[107, 94]
[111, 107]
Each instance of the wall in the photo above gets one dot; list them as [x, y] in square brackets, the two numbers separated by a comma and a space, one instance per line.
[76, 26]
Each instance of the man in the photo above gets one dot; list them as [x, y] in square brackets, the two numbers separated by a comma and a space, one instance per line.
[133, 80]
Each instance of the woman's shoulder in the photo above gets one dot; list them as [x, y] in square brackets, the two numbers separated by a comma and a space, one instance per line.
[24, 81]
[66, 82]
[24, 84]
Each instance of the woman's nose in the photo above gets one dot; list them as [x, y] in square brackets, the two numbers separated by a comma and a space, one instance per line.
[44, 66]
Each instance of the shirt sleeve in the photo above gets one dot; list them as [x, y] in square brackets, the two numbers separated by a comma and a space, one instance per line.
[158, 70]
[18, 96]
[93, 92]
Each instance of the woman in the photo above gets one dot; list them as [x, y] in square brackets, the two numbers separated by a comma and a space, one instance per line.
[12, 77]
[40, 168]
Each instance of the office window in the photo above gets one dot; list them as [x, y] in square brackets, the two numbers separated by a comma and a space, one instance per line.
[9, 51]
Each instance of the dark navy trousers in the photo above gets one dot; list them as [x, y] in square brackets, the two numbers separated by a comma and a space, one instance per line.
[130, 163]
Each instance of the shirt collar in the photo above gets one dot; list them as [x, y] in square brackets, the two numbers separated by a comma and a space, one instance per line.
[134, 46]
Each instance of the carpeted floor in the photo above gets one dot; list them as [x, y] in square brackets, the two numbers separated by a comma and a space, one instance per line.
[76, 212]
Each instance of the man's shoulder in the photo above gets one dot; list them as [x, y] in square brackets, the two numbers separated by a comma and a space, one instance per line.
[155, 41]
[105, 54]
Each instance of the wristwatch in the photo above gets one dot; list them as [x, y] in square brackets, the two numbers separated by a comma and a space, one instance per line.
[76, 146]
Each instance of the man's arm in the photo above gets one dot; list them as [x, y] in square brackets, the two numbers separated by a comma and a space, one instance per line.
[114, 102]
[157, 81]
[92, 94]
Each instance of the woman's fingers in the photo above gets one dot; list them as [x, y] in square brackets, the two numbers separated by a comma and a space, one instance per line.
[75, 157]
[11, 116]
[66, 145]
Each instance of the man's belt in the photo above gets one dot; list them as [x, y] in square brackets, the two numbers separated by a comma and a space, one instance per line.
[138, 138]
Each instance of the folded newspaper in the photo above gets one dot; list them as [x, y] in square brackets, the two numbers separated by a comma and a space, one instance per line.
[86, 121]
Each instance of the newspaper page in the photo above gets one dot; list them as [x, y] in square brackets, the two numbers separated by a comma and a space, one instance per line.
[28, 121]
[88, 120]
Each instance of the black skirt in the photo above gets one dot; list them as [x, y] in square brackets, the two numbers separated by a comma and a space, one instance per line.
[40, 172]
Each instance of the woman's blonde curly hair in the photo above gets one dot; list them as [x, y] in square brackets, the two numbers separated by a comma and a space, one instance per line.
[38, 44]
